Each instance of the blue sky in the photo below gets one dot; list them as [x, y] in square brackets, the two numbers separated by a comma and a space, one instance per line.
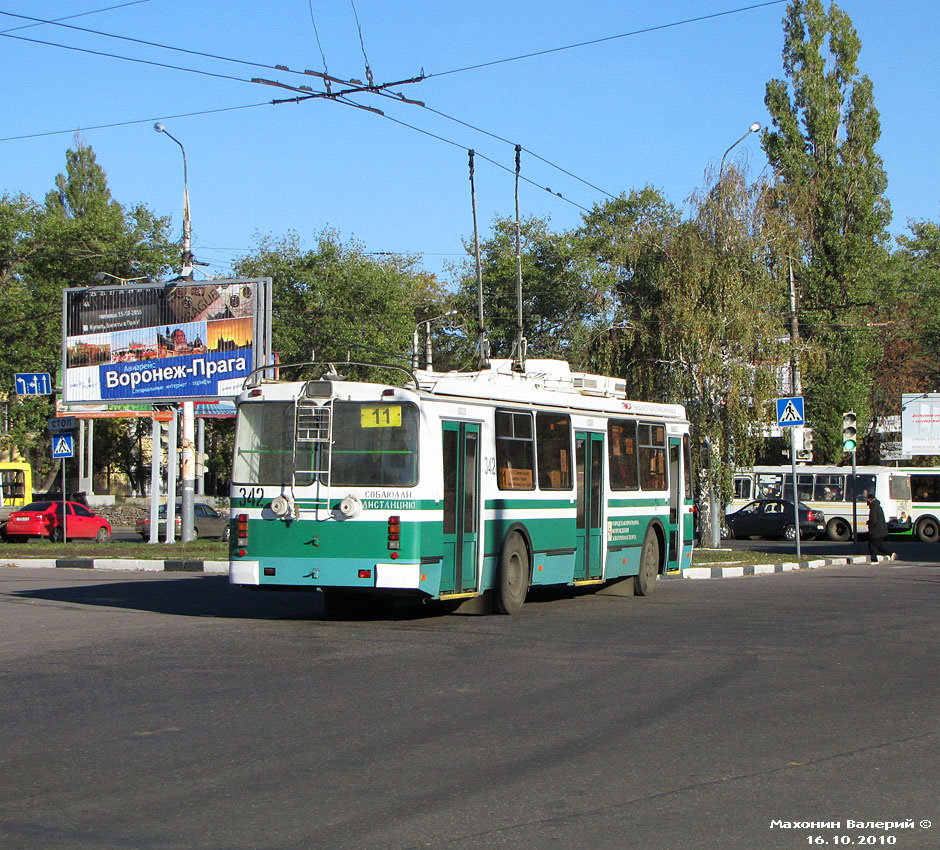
[658, 107]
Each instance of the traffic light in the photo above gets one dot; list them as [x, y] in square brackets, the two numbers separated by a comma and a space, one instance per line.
[849, 432]
[805, 452]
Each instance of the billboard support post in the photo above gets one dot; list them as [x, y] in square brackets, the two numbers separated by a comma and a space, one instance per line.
[172, 461]
[155, 433]
[188, 471]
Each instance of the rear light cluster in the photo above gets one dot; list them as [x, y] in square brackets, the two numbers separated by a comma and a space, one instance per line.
[815, 516]
[241, 533]
[394, 535]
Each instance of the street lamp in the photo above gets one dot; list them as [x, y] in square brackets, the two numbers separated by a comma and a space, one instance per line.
[752, 129]
[187, 453]
[186, 269]
[427, 340]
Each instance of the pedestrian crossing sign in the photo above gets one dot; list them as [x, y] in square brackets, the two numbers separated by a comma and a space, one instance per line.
[62, 446]
[790, 412]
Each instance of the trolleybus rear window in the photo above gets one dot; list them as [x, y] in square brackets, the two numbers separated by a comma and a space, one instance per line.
[264, 443]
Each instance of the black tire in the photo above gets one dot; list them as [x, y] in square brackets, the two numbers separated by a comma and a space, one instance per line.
[102, 536]
[56, 535]
[839, 530]
[927, 530]
[644, 582]
[789, 532]
[226, 532]
[512, 583]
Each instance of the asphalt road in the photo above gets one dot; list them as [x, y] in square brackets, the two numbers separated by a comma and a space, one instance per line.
[158, 710]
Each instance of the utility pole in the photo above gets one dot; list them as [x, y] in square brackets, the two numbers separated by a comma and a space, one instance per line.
[187, 455]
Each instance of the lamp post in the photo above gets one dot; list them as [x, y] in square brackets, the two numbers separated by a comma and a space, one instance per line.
[186, 270]
[187, 453]
[427, 340]
[714, 511]
[752, 129]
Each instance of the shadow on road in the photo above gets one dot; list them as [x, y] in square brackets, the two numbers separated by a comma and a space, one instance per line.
[213, 596]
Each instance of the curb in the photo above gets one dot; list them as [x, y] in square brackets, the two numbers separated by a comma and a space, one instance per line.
[222, 567]
[741, 570]
[130, 565]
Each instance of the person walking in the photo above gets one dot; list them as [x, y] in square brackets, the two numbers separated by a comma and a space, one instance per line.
[877, 529]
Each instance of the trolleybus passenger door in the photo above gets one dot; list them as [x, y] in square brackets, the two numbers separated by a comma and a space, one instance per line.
[674, 530]
[461, 443]
[589, 533]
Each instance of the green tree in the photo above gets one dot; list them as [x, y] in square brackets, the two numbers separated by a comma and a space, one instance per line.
[630, 241]
[336, 302]
[556, 291]
[830, 186]
[692, 313]
[77, 232]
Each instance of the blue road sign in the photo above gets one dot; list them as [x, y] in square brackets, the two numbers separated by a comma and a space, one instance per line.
[790, 412]
[62, 445]
[33, 383]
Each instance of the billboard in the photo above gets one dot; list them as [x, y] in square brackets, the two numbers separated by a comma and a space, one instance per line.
[179, 341]
[920, 424]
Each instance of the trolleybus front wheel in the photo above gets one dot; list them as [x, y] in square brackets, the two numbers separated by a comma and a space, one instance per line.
[512, 583]
[645, 581]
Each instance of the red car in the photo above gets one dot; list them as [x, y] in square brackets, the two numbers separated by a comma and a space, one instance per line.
[44, 519]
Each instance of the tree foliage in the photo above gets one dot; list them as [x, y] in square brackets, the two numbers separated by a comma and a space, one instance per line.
[336, 302]
[556, 291]
[77, 232]
[830, 188]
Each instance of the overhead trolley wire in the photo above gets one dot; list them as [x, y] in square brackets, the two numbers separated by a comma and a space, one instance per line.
[76, 15]
[135, 121]
[603, 39]
[124, 58]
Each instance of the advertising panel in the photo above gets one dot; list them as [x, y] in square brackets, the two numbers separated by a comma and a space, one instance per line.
[920, 424]
[164, 342]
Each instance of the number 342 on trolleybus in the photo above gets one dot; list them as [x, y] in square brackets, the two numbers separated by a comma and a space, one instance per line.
[472, 486]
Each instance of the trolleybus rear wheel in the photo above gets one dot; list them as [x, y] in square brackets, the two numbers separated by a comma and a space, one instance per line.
[645, 581]
[512, 583]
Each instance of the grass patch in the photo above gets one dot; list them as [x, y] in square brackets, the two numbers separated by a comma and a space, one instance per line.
[718, 557]
[198, 550]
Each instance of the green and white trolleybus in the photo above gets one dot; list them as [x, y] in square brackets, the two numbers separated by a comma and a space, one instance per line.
[472, 486]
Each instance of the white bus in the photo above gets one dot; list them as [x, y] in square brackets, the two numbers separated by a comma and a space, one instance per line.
[472, 486]
[925, 502]
[830, 490]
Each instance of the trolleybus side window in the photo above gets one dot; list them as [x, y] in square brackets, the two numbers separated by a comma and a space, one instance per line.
[374, 444]
[553, 447]
[515, 456]
[653, 457]
[622, 455]
[264, 444]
